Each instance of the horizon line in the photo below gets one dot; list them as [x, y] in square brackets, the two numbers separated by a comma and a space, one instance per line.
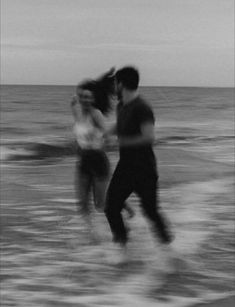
[189, 86]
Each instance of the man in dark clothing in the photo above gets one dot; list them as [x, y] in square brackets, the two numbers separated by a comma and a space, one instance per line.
[136, 170]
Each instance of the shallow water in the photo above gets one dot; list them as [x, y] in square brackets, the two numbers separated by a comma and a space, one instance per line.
[48, 259]
[47, 256]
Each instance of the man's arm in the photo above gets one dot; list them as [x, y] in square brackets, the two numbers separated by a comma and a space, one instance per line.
[145, 137]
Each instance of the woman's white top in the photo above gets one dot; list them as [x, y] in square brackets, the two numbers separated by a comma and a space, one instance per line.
[88, 136]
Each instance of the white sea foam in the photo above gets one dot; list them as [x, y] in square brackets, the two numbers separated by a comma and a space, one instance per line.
[192, 214]
[51, 187]
[63, 200]
[6, 152]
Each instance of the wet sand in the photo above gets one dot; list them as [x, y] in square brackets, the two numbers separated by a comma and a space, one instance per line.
[45, 255]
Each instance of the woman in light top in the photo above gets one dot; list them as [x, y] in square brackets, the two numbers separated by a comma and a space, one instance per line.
[89, 107]
[89, 127]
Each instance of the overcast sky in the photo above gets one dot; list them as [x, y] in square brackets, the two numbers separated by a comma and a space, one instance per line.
[172, 42]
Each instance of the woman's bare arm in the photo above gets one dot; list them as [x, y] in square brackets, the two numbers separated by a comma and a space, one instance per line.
[75, 108]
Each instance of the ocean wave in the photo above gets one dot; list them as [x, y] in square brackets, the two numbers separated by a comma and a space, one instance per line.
[175, 139]
[36, 151]
[20, 101]
[16, 150]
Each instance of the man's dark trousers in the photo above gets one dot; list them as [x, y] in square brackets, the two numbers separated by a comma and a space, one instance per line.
[144, 182]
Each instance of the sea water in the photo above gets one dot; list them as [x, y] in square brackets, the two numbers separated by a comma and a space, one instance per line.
[37, 115]
[45, 256]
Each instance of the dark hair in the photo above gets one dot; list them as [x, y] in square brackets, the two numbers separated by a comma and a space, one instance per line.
[87, 84]
[102, 89]
[128, 76]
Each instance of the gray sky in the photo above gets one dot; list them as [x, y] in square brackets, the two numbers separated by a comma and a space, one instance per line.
[172, 42]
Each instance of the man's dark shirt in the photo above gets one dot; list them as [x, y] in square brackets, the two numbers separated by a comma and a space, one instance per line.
[130, 118]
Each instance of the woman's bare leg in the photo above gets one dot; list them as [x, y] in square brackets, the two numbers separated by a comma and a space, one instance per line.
[82, 187]
[100, 188]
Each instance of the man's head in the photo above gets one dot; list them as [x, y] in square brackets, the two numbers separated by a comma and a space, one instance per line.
[127, 78]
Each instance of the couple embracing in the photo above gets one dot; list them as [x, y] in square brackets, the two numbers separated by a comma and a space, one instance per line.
[136, 170]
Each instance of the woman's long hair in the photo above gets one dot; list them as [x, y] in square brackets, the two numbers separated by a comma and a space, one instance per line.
[103, 89]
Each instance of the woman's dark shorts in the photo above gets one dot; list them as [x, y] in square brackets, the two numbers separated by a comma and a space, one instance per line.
[94, 163]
